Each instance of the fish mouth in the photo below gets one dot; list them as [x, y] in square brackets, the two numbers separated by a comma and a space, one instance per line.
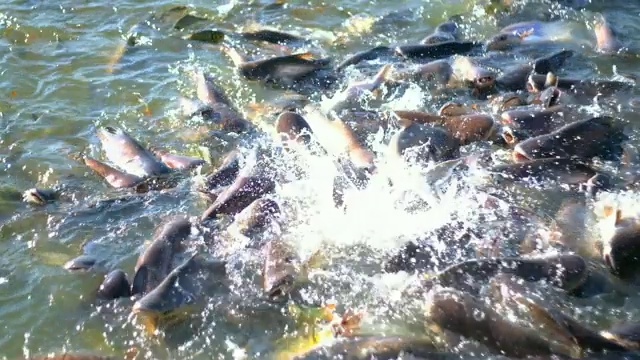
[105, 132]
[484, 82]
[34, 196]
[509, 136]
[535, 87]
[519, 155]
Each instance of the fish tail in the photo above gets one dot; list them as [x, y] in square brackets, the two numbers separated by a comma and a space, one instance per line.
[237, 58]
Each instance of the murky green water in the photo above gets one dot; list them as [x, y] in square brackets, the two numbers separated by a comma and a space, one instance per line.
[55, 90]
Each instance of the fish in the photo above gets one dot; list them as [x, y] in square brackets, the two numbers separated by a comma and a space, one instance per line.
[225, 174]
[565, 271]
[156, 260]
[436, 51]
[82, 262]
[178, 294]
[339, 139]
[245, 188]
[585, 139]
[426, 143]
[39, 196]
[555, 170]
[115, 285]
[126, 153]
[467, 128]
[292, 126]
[456, 72]
[179, 162]
[367, 55]
[582, 87]
[283, 71]
[444, 32]
[620, 235]
[257, 219]
[606, 39]
[283, 271]
[217, 109]
[114, 177]
[354, 91]
[456, 311]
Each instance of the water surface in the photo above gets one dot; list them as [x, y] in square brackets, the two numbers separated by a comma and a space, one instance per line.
[56, 90]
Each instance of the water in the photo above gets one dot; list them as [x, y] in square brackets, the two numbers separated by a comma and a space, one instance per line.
[56, 90]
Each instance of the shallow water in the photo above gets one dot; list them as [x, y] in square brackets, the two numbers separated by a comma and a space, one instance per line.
[56, 90]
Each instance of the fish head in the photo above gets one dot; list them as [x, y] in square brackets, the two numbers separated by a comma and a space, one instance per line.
[503, 41]
[39, 196]
[114, 285]
[621, 243]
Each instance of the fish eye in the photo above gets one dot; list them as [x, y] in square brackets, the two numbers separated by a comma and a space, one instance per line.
[111, 130]
[502, 37]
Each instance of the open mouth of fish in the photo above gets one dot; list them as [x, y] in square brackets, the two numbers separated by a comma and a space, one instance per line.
[519, 155]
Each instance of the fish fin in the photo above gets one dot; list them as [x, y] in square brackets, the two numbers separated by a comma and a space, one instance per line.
[139, 280]
[523, 35]
[131, 353]
[316, 260]
[115, 58]
[237, 58]
[380, 78]
[618, 217]
[555, 325]
[304, 56]
[608, 210]
[630, 344]
[348, 323]
[551, 80]
[383, 74]
[313, 314]
[613, 214]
